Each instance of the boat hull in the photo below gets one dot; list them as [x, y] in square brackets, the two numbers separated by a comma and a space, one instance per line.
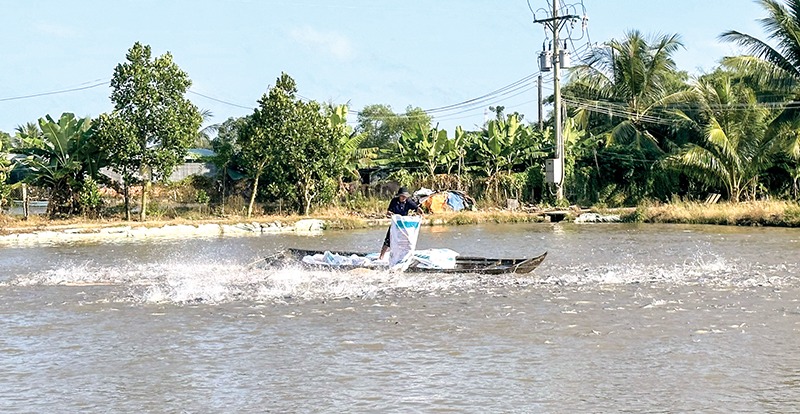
[479, 265]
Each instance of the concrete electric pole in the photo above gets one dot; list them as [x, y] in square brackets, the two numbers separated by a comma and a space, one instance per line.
[559, 60]
[557, 105]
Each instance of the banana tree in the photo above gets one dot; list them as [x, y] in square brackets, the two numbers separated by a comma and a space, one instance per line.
[60, 158]
[429, 148]
[453, 156]
[353, 156]
[499, 148]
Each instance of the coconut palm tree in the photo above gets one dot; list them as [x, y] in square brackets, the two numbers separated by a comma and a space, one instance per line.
[204, 135]
[627, 83]
[619, 98]
[28, 131]
[735, 147]
[777, 66]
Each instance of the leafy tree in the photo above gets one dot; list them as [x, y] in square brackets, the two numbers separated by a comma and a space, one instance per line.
[383, 127]
[264, 129]
[61, 159]
[292, 143]
[5, 140]
[228, 158]
[735, 148]
[114, 139]
[316, 162]
[152, 124]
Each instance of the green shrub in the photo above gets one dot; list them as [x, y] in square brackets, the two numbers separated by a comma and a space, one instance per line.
[639, 215]
[89, 199]
[201, 196]
[791, 215]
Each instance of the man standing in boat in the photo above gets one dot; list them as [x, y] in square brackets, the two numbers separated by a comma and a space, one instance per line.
[401, 204]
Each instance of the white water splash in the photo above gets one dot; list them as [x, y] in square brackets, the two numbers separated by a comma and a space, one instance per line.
[222, 282]
[180, 282]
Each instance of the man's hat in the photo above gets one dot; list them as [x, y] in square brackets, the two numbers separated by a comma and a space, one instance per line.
[402, 192]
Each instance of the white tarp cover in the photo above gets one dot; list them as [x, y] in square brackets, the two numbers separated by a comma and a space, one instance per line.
[435, 258]
[403, 237]
[333, 259]
[426, 259]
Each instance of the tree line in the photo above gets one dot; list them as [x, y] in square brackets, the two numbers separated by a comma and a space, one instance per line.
[637, 128]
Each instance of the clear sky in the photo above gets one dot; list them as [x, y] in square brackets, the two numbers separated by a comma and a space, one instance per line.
[424, 53]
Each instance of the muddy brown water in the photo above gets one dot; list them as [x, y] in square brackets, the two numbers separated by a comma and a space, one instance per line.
[619, 318]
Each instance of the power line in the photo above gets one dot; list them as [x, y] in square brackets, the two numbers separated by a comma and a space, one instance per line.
[36, 95]
[495, 103]
[478, 101]
[220, 100]
[618, 111]
[484, 97]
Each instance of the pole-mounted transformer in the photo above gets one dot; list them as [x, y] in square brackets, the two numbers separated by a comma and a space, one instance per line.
[563, 57]
[545, 60]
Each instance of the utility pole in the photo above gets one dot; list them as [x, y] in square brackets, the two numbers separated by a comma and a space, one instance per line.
[555, 167]
[541, 105]
[557, 104]
[25, 203]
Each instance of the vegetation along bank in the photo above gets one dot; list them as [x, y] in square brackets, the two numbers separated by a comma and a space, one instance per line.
[640, 133]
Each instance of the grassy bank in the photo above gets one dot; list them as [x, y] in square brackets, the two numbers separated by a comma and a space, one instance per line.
[335, 218]
[763, 213]
[759, 213]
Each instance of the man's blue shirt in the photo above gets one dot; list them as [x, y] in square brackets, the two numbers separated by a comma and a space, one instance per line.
[402, 208]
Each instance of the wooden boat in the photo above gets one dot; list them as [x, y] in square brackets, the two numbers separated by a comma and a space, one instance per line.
[464, 264]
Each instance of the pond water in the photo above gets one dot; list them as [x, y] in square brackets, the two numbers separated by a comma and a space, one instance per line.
[620, 317]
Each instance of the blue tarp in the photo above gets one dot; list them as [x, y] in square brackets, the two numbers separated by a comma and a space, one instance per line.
[455, 201]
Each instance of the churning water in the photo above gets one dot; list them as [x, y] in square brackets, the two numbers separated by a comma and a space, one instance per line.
[618, 318]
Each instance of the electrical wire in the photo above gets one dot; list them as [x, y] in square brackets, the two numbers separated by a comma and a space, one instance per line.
[497, 92]
[618, 110]
[220, 100]
[36, 95]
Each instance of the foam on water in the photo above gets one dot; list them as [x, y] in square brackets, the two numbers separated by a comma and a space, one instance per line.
[219, 282]
[701, 269]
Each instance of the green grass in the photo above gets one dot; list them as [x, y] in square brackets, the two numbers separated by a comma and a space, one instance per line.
[760, 213]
